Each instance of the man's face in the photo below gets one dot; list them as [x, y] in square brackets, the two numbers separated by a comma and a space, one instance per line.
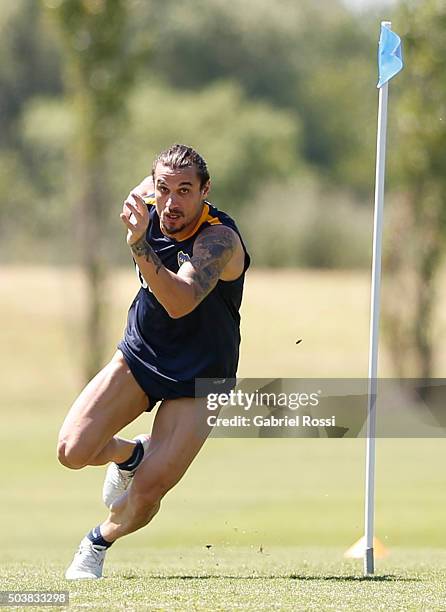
[179, 199]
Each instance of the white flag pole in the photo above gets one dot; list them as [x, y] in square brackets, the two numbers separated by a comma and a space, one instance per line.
[374, 325]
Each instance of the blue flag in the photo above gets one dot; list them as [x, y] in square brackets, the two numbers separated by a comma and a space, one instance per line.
[390, 60]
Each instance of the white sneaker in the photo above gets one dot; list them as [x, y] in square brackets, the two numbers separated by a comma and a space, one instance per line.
[118, 481]
[87, 563]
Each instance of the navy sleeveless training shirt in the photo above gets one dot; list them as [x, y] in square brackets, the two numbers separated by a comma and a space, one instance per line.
[166, 355]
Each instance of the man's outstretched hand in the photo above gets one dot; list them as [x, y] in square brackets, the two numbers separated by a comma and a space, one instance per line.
[135, 216]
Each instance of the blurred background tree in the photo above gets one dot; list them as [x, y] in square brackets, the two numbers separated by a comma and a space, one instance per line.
[101, 56]
[281, 101]
[418, 210]
[265, 94]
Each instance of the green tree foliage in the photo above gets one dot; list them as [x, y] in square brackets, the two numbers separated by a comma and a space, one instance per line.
[246, 143]
[308, 225]
[417, 244]
[28, 64]
[264, 93]
[28, 67]
[317, 64]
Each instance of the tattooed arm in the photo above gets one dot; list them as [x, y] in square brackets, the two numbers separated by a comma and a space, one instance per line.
[218, 253]
[141, 248]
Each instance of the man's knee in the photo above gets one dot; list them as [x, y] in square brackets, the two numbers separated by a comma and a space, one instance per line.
[71, 454]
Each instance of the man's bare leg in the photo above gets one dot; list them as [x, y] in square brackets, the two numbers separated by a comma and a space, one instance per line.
[179, 431]
[110, 401]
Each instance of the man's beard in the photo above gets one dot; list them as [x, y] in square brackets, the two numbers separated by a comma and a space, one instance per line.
[173, 231]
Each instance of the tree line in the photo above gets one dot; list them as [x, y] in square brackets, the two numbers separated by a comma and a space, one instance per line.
[279, 98]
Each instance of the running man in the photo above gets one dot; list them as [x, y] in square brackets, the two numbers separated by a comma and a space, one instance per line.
[183, 324]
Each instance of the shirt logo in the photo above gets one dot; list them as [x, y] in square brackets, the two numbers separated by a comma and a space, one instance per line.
[182, 258]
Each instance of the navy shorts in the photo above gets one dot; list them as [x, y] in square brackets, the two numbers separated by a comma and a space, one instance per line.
[155, 390]
[159, 387]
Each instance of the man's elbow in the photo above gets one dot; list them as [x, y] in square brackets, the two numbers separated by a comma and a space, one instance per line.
[176, 312]
[177, 308]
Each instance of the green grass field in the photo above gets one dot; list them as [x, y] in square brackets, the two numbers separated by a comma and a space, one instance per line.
[255, 524]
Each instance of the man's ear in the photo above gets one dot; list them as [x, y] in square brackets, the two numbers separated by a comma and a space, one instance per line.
[206, 189]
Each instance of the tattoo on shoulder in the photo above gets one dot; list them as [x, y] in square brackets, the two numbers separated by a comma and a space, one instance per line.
[141, 248]
[212, 251]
